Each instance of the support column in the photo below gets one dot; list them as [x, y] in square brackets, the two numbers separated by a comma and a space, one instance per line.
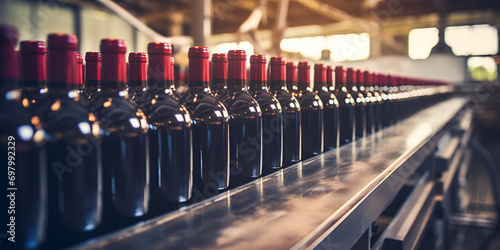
[202, 21]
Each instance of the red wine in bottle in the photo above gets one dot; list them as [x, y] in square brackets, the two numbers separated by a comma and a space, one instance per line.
[347, 115]
[330, 108]
[32, 72]
[170, 135]
[137, 81]
[23, 146]
[245, 121]
[210, 124]
[219, 74]
[73, 147]
[92, 75]
[359, 99]
[370, 106]
[376, 100]
[291, 78]
[272, 116]
[124, 142]
[292, 130]
[312, 114]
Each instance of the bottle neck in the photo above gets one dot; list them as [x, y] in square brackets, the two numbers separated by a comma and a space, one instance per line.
[237, 75]
[198, 75]
[159, 73]
[114, 72]
[257, 85]
[218, 84]
[319, 85]
[277, 76]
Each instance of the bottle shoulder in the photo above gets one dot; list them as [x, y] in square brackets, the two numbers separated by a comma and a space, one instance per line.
[241, 103]
[204, 107]
[267, 102]
[164, 109]
[118, 114]
[309, 100]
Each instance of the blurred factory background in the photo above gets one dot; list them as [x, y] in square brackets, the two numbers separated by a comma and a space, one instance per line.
[451, 40]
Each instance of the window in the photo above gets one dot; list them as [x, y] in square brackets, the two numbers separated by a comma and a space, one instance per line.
[482, 68]
[472, 40]
[421, 42]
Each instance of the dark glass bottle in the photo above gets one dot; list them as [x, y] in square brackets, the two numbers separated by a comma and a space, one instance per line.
[219, 74]
[124, 143]
[32, 73]
[245, 121]
[370, 106]
[330, 108]
[210, 125]
[170, 135]
[386, 102]
[347, 107]
[92, 75]
[292, 130]
[393, 93]
[360, 107]
[272, 116]
[79, 73]
[376, 100]
[24, 172]
[73, 147]
[291, 78]
[312, 114]
[137, 76]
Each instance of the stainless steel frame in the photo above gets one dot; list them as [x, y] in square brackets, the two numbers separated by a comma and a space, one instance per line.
[327, 202]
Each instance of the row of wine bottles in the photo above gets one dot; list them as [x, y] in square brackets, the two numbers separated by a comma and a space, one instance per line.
[85, 159]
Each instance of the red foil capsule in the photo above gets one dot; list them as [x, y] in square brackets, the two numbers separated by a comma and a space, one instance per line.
[237, 65]
[8, 56]
[329, 77]
[93, 66]
[291, 71]
[368, 78]
[198, 64]
[351, 75]
[319, 73]
[304, 73]
[33, 61]
[219, 66]
[61, 62]
[114, 67]
[138, 66]
[360, 77]
[160, 55]
[277, 68]
[79, 70]
[340, 75]
[258, 68]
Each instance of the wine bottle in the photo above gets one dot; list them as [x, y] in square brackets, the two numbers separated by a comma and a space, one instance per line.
[272, 116]
[312, 114]
[370, 106]
[170, 135]
[393, 83]
[32, 72]
[245, 121]
[219, 74]
[291, 78]
[347, 115]
[210, 125]
[292, 130]
[124, 143]
[376, 100]
[23, 146]
[138, 62]
[92, 75]
[330, 108]
[360, 108]
[74, 149]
